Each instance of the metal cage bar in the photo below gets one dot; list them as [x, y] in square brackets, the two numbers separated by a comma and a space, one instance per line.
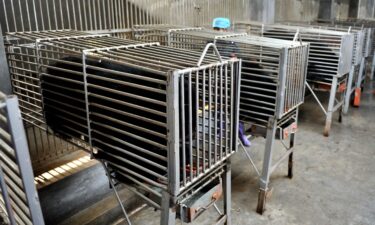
[266, 64]
[117, 91]
[360, 53]
[329, 61]
[273, 70]
[45, 147]
[19, 195]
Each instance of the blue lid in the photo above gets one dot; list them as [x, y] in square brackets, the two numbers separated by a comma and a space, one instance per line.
[220, 22]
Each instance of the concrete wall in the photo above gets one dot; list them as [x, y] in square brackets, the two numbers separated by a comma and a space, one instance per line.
[366, 8]
[342, 8]
[296, 10]
[262, 10]
[4, 72]
[308, 10]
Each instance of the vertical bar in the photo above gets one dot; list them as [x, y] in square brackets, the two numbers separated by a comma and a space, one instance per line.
[232, 104]
[95, 16]
[221, 128]
[84, 14]
[280, 99]
[42, 15]
[209, 117]
[28, 13]
[204, 120]
[127, 15]
[267, 160]
[131, 15]
[237, 104]
[182, 110]
[100, 15]
[197, 118]
[349, 90]
[61, 16]
[331, 104]
[216, 113]
[6, 17]
[168, 212]
[227, 190]
[74, 14]
[227, 151]
[90, 14]
[112, 15]
[14, 16]
[55, 13]
[105, 18]
[68, 13]
[21, 15]
[79, 14]
[119, 15]
[36, 18]
[173, 133]
[86, 97]
[190, 94]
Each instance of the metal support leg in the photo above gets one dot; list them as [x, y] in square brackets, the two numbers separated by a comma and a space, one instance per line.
[227, 193]
[362, 72]
[348, 92]
[116, 193]
[290, 162]
[267, 164]
[341, 109]
[331, 105]
[372, 67]
[168, 210]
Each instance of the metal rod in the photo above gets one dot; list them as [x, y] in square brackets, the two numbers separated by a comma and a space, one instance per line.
[116, 193]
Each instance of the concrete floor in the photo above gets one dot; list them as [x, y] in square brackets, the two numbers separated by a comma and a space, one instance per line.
[333, 182]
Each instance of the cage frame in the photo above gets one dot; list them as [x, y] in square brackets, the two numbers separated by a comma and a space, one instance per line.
[174, 191]
[277, 124]
[337, 86]
[361, 43]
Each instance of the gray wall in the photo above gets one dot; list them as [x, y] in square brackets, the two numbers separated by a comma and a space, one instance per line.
[366, 9]
[308, 10]
[4, 72]
[262, 10]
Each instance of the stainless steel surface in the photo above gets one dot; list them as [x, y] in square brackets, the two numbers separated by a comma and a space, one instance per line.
[157, 32]
[45, 148]
[360, 52]
[19, 195]
[272, 85]
[177, 124]
[329, 64]
[273, 71]
[327, 57]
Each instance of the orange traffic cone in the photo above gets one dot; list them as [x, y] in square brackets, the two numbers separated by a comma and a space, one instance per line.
[357, 97]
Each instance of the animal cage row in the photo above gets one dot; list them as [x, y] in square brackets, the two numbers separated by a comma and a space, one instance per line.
[165, 119]
[273, 71]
